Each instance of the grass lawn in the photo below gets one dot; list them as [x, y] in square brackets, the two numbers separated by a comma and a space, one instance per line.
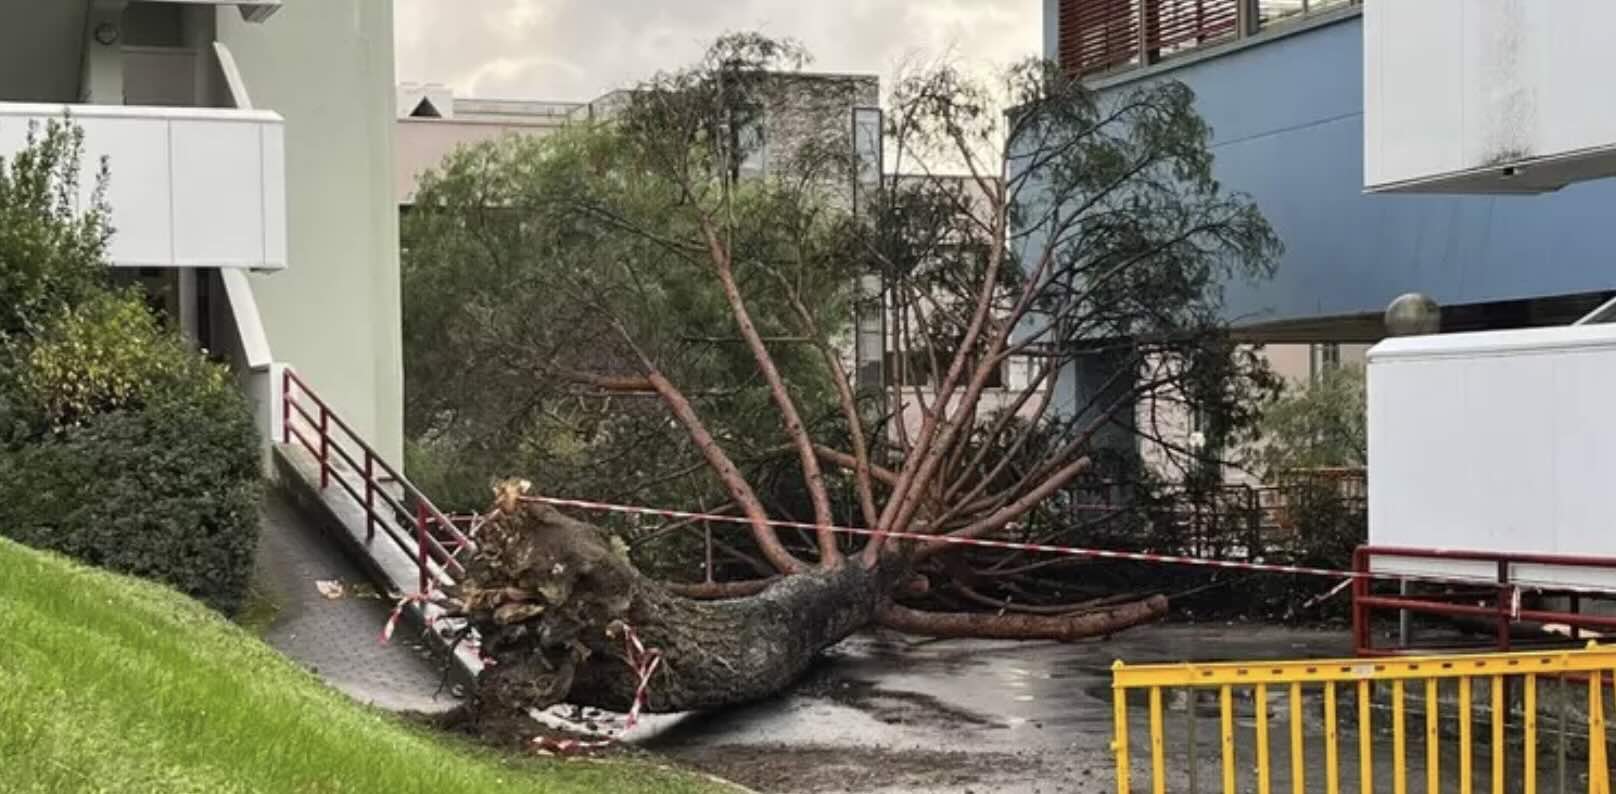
[112, 684]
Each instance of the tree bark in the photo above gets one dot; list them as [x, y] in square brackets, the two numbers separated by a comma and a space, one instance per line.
[552, 599]
[1024, 627]
[712, 591]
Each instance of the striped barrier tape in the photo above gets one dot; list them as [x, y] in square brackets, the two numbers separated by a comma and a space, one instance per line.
[1037, 548]
[1041, 548]
[645, 662]
[398, 612]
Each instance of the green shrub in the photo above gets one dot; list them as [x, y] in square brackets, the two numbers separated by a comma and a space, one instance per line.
[106, 354]
[52, 243]
[119, 443]
[166, 490]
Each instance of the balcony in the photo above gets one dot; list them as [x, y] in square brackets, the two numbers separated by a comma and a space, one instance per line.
[1100, 37]
[189, 187]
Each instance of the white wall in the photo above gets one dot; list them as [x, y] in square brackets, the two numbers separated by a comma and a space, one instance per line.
[326, 66]
[423, 143]
[1455, 91]
[189, 187]
[1499, 441]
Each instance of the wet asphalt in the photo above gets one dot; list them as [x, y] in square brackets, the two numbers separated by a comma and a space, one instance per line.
[894, 715]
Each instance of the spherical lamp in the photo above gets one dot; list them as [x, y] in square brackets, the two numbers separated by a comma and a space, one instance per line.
[1413, 314]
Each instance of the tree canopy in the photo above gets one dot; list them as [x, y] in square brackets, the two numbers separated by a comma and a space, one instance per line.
[631, 311]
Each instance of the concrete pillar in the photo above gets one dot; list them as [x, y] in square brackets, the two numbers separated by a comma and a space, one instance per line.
[186, 296]
[197, 30]
[101, 80]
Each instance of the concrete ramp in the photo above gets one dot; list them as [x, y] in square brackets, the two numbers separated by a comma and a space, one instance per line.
[384, 551]
[335, 632]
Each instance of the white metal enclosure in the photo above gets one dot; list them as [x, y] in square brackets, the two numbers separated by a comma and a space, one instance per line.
[1478, 96]
[1499, 441]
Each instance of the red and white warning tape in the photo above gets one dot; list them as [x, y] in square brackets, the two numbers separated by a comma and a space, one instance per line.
[398, 611]
[644, 662]
[1040, 548]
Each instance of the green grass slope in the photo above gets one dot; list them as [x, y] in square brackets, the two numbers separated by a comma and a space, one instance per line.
[112, 684]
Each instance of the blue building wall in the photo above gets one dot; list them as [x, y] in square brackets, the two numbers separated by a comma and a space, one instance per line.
[1287, 116]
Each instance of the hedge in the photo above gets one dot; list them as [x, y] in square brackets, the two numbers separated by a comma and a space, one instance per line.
[167, 491]
[120, 444]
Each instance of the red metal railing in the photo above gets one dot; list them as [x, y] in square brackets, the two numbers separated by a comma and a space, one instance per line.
[1491, 601]
[335, 440]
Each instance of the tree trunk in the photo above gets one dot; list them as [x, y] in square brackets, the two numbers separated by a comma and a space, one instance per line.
[552, 599]
[550, 595]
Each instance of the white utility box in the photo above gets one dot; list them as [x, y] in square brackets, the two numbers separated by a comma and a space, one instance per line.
[1503, 441]
[1487, 96]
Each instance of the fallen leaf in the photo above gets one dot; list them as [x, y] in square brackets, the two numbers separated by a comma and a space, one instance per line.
[516, 613]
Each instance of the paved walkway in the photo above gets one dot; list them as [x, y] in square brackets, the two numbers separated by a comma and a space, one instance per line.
[338, 638]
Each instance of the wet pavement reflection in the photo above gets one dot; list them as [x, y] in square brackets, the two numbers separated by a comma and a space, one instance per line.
[891, 714]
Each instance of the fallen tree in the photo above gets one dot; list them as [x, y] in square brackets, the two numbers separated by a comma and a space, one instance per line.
[686, 320]
[550, 598]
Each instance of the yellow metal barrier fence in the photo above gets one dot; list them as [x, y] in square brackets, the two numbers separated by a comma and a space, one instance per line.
[1464, 681]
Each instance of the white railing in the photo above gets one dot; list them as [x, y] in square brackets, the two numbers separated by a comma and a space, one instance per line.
[190, 187]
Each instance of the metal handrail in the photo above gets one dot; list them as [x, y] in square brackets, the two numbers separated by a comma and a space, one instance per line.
[1505, 610]
[435, 563]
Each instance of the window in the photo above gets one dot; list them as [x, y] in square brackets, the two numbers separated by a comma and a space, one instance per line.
[1272, 11]
[869, 340]
[913, 368]
[1099, 35]
[1096, 36]
[1324, 358]
[749, 142]
[866, 151]
[1173, 26]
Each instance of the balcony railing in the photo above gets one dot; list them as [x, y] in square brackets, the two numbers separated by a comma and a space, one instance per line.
[1098, 36]
[189, 187]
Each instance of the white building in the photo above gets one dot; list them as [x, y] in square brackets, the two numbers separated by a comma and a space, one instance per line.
[250, 150]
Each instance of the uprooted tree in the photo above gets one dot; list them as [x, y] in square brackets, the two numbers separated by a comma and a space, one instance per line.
[647, 306]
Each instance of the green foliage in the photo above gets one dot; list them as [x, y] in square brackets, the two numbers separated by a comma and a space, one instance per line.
[1314, 426]
[167, 490]
[51, 238]
[1079, 231]
[112, 684]
[527, 261]
[119, 443]
[109, 353]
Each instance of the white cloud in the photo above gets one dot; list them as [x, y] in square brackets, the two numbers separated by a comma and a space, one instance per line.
[578, 49]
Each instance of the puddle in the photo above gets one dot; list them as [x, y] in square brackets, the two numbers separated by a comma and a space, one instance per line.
[953, 716]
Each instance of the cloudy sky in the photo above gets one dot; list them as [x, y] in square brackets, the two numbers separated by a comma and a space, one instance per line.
[578, 49]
